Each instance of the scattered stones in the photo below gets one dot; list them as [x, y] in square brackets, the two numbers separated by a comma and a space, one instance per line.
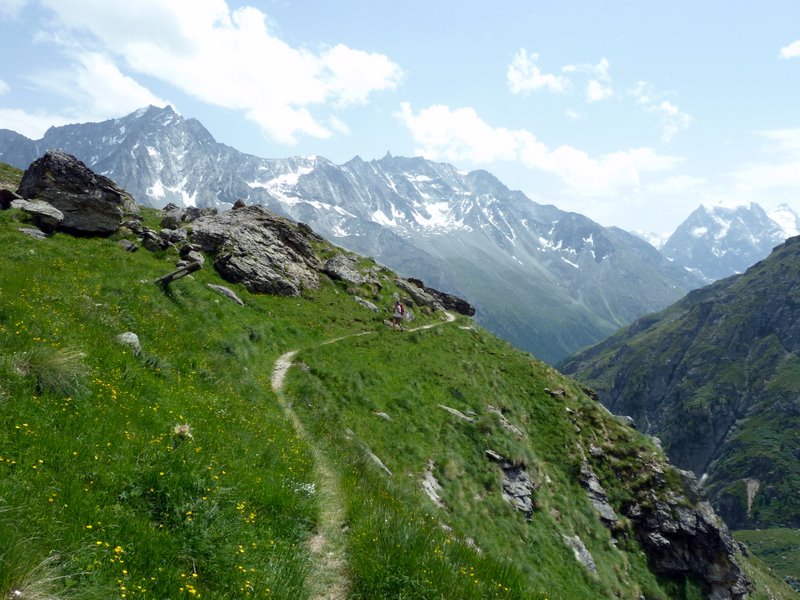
[91, 203]
[383, 415]
[131, 340]
[555, 393]
[226, 292]
[582, 554]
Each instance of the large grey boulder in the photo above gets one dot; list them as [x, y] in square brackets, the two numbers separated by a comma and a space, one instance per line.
[91, 204]
[266, 253]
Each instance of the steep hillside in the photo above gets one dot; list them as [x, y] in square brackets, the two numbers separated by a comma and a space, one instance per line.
[715, 377]
[547, 280]
[279, 446]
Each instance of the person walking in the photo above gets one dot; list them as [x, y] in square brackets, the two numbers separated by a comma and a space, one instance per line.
[398, 314]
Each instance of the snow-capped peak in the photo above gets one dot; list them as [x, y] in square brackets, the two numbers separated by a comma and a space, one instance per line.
[786, 219]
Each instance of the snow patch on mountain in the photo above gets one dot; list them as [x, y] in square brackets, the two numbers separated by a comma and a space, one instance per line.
[787, 220]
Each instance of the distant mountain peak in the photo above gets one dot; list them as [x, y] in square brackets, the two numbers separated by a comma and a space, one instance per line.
[720, 240]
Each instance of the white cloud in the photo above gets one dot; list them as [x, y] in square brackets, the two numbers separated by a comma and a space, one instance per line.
[461, 135]
[96, 85]
[4, 88]
[599, 86]
[671, 118]
[524, 75]
[229, 58]
[780, 167]
[790, 51]
[30, 124]
[596, 91]
[573, 115]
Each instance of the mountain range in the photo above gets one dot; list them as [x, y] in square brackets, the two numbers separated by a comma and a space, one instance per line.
[715, 377]
[548, 280]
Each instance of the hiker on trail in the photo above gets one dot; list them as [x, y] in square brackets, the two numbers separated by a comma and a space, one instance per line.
[398, 313]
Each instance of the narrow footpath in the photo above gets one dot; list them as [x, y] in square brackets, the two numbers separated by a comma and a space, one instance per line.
[330, 579]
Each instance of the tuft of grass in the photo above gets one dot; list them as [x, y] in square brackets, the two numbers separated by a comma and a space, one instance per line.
[60, 371]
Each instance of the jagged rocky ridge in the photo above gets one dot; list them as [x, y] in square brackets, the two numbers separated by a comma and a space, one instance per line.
[715, 377]
[549, 281]
[681, 536]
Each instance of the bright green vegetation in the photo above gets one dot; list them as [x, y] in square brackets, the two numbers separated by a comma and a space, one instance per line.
[169, 474]
[779, 548]
[9, 176]
[176, 473]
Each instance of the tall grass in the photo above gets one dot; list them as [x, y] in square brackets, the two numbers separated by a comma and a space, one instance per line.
[58, 371]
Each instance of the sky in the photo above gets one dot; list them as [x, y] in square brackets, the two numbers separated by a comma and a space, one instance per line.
[632, 113]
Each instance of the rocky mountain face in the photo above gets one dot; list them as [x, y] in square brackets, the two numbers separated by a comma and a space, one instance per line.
[716, 242]
[547, 280]
[715, 377]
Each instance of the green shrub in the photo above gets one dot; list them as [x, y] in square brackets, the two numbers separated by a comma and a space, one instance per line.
[58, 371]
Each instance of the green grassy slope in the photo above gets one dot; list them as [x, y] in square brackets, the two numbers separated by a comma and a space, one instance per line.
[176, 474]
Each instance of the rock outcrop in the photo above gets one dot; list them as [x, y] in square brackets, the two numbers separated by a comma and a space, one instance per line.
[90, 203]
[345, 268]
[517, 487]
[264, 252]
[452, 302]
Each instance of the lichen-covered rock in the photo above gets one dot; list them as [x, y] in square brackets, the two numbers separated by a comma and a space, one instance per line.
[344, 268]
[173, 216]
[46, 216]
[91, 204]
[517, 487]
[266, 253]
[418, 295]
